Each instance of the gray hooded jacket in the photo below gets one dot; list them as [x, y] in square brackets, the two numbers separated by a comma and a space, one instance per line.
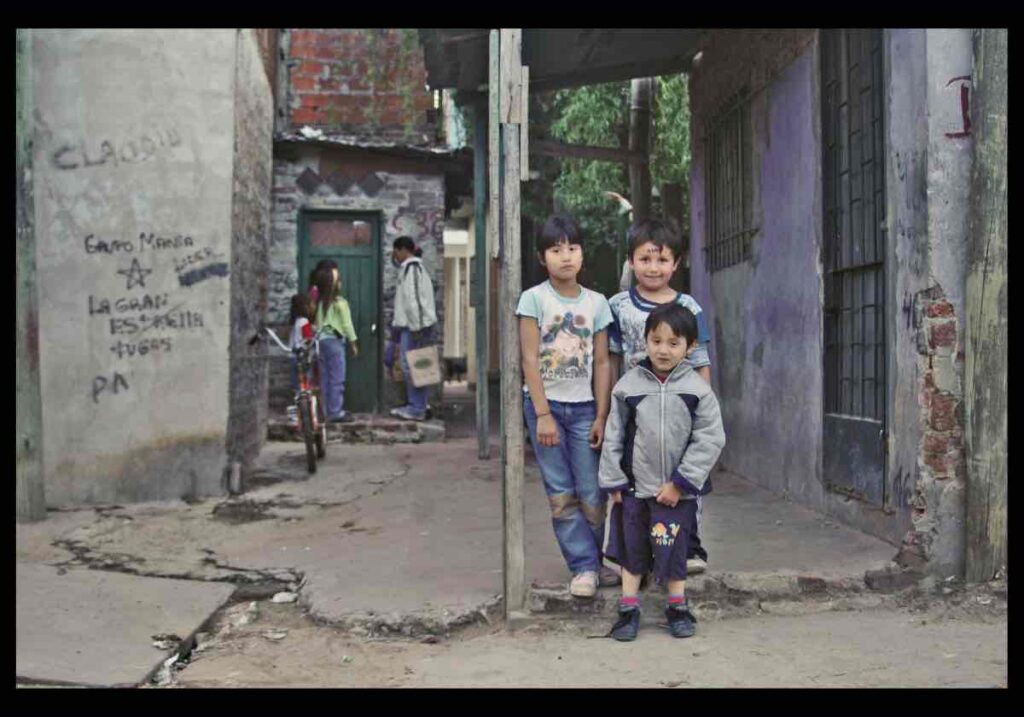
[657, 432]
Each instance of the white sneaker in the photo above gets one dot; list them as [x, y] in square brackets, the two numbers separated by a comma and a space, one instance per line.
[584, 584]
[695, 566]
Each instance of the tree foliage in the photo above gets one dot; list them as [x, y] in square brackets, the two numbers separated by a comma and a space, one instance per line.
[599, 115]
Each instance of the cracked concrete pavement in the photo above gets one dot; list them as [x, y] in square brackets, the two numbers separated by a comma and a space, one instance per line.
[406, 539]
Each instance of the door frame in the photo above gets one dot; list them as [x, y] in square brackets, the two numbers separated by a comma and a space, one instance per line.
[376, 218]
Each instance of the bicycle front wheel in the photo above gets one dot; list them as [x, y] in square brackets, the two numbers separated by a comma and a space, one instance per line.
[320, 434]
[306, 425]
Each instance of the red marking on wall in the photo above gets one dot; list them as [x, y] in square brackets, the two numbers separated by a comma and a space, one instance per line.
[965, 107]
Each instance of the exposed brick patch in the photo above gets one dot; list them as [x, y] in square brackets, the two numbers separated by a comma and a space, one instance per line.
[941, 455]
[359, 81]
[942, 334]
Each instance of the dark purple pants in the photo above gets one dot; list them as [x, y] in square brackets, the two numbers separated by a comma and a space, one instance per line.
[643, 534]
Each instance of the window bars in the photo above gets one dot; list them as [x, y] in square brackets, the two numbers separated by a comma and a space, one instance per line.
[729, 188]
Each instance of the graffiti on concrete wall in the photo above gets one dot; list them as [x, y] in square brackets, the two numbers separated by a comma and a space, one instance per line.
[965, 107]
[419, 223]
[129, 150]
[140, 322]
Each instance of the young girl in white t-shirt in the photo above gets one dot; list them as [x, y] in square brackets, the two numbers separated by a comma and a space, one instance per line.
[302, 330]
[564, 342]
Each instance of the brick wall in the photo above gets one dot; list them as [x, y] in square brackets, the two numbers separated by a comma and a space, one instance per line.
[360, 81]
[411, 202]
[941, 458]
[250, 235]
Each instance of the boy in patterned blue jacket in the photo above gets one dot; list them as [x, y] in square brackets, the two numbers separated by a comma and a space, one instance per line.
[663, 436]
[655, 251]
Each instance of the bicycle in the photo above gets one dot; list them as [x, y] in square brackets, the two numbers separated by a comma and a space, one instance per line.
[312, 419]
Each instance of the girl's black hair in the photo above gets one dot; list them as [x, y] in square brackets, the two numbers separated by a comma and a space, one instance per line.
[323, 278]
[328, 264]
[559, 228]
[660, 232]
[406, 243]
[300, 307]
[680, 319]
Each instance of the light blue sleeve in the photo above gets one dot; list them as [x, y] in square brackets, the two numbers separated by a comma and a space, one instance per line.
[529, 305]
[602, 313]
[703, 335]
[699, 358]
[614, 328]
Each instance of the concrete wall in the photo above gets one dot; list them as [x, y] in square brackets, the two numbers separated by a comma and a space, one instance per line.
[29, 493]
[360, 81]
[937, 308]
[133, 155]
[250, 241]
[766, 315]
[411, 202]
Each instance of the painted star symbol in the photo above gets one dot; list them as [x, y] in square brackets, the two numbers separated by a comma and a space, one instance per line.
[136, 274]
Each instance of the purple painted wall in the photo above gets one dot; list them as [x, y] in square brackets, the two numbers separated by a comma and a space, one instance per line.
[766, 315]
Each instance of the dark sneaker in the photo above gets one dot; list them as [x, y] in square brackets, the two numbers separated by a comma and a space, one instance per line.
[625, 629]
[607, 578]
[681, 622]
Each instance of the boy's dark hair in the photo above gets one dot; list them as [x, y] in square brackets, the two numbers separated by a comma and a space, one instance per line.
[301, 305]
[663, 233]
[680, 319]
[406, 243]
[558, 228]
[326, 286]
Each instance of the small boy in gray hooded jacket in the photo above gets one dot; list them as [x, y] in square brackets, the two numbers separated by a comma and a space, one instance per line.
[663, 436]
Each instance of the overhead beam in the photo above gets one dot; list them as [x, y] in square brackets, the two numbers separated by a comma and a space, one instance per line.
[552, 148]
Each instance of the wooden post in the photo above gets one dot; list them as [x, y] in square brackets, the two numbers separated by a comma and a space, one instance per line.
[641, 92]
[672, 208]
[512, 94]
[985, 372]
[482, 262]
[29, 495]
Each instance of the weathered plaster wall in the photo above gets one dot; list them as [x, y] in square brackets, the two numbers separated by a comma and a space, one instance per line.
[133, 155]
[409, 203]
[250, 240]
[766, 314]
[940, 494]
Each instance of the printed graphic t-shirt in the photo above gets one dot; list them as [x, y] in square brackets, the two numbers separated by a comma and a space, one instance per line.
[567, 328]
[629, 317]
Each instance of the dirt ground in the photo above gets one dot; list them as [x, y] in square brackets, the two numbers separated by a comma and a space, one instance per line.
[922, 644]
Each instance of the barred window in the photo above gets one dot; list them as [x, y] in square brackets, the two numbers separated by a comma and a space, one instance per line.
[729, 188]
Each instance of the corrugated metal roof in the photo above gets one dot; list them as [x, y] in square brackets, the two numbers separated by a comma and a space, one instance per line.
[321, 138]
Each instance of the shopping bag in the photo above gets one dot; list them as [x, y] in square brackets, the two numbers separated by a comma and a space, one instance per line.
[424, 366]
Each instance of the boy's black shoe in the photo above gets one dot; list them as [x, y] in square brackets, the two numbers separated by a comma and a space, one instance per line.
[625, 629]
[681, 622]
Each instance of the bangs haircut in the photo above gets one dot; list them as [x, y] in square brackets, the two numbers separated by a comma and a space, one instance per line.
[660, 232]
[679, 319]
[557, 229]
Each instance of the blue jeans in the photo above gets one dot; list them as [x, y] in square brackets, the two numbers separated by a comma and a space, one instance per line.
[332, 376]
[569, 473]
[417, 397]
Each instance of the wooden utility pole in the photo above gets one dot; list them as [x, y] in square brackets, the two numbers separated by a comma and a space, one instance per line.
[29, 494]
[481, 269]
[641, 92]
[986, 352]
[508, 95]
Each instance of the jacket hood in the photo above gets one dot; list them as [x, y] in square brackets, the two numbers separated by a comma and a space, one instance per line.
[677, 374]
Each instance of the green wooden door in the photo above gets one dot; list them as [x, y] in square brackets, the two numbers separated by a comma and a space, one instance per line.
[353, 241]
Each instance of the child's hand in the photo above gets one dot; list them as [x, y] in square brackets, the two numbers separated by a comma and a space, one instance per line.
[597, 433]
[669, 494]
[547, 431]
[355, 348]
[616, 496]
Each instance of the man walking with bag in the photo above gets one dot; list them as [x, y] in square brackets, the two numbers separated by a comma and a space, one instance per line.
[413, 324]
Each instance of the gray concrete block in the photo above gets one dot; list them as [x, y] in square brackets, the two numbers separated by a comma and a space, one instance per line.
[95, 628]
